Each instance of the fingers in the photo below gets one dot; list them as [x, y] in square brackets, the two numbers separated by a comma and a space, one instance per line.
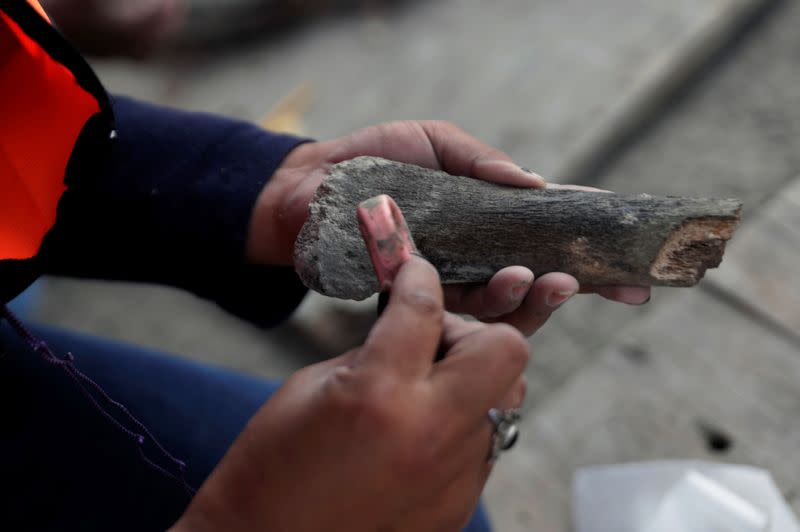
[459, 153]
[438, 145]
[475, 458]
[514, 398]
[502, 295]
[469, 462]
[547, 294]
[487, 168]
[407, 335]
[631, 295]
[402, 141]
[478, 371]
[514, 297]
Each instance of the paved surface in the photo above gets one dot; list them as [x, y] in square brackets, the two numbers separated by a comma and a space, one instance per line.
[715, 356]
[608, 383]
[535, 78]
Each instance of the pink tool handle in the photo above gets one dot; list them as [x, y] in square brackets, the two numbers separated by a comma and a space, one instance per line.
[389, 244]
[386, 234]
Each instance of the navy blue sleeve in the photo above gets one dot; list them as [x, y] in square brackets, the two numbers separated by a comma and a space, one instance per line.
[172, 205]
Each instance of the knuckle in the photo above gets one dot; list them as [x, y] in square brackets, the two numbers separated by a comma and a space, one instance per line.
[487, 154]
[361, 398]
[492, 153]
[512, 344]
[441, 125]
[376, 409]
[342, 390]
[423, 303]
[404, 128]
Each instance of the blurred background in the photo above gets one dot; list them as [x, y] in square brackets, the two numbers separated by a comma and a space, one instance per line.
[687, 97]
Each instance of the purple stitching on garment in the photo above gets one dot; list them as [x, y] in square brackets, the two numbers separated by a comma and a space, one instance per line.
[86, 385]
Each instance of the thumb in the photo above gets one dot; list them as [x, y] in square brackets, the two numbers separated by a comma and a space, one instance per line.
[407, 335]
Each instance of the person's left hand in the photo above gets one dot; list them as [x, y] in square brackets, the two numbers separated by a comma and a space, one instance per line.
[513, 295]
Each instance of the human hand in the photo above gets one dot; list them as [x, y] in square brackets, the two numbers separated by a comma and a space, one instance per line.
[513, 295]
[380, 438]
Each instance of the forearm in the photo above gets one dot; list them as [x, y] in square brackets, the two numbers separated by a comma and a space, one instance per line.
[173, 205]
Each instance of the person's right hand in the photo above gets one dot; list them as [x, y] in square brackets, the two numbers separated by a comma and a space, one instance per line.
[380, 438]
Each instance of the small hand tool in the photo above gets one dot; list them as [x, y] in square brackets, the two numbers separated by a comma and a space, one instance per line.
[388, 241]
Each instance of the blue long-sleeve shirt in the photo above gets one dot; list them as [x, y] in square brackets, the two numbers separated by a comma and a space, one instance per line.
[171, 204]
[168, 201]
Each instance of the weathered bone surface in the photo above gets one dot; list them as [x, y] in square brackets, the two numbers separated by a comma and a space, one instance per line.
[469, 229]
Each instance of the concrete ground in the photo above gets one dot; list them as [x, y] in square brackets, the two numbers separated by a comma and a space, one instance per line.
[716, 354]
[572, 89]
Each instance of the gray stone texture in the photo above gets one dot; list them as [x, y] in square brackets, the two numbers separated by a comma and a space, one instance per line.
[471, 229]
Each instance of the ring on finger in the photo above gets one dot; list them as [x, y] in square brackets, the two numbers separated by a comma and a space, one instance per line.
[506, 431]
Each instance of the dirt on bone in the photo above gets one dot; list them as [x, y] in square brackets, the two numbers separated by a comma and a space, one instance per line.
[470, 228]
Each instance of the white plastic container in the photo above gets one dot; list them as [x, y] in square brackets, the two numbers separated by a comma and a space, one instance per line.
[679, 496]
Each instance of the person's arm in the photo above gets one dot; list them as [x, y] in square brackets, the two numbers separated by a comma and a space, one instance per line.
[173, 205]
[214, 206]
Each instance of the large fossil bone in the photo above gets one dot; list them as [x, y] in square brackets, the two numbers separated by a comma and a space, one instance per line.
[469, 229]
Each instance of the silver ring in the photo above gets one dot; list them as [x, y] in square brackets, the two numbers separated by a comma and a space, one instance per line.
[506, 432]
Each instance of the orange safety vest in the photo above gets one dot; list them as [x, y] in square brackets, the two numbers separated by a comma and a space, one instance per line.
[47, 96]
